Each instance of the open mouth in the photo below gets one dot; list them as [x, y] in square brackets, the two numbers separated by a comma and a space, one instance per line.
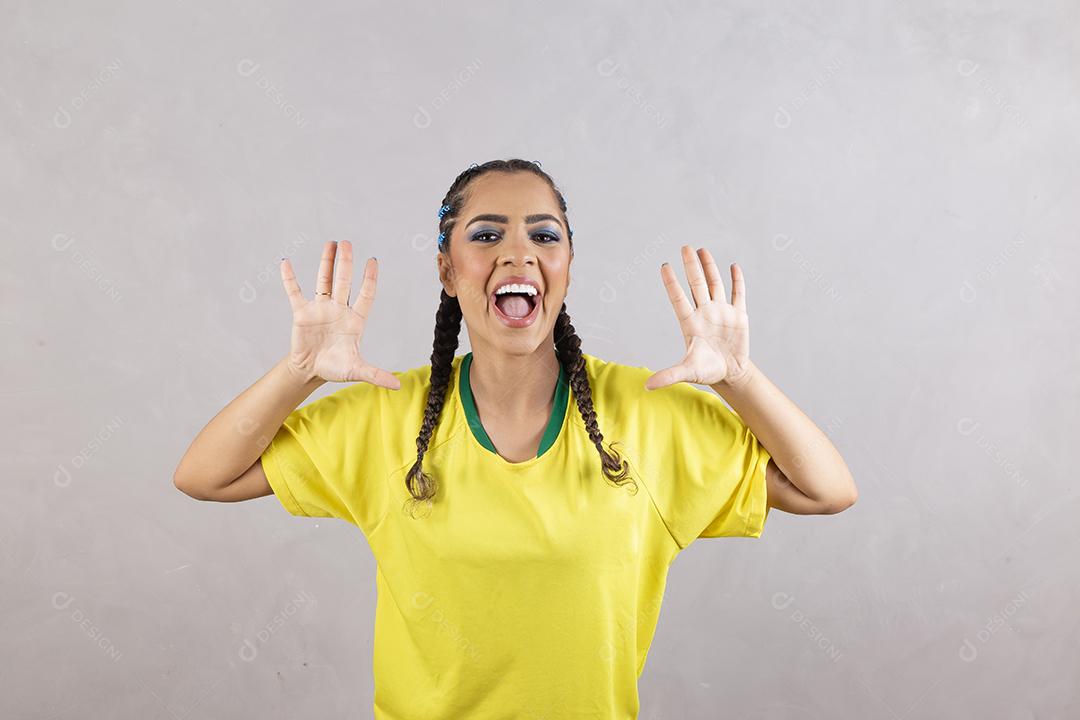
[516, 309]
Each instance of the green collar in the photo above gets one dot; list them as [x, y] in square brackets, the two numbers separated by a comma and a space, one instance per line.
[558, 412]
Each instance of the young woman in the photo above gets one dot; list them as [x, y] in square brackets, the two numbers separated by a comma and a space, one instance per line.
[523, 541]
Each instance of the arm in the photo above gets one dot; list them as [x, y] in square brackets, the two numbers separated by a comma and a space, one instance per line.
[222, 462]
[806, 474]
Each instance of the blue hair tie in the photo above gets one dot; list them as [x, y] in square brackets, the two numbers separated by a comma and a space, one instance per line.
[442, 236]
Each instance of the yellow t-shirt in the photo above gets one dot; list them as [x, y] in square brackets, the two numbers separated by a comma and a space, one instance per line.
[532, 589]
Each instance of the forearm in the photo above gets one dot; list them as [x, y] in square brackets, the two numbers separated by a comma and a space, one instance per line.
[235, 438]
[799, 448]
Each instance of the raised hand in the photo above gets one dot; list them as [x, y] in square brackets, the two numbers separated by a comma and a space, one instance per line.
[326, 331]
[717, 333]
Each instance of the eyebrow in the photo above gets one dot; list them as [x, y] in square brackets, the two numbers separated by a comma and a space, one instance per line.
[529, 219]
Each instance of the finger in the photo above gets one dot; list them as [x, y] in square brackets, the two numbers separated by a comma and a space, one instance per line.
[343, 274]
[380, 377]
[292, 288]
[679, 301]
[324, 281]
[366, 296]
[738, 287]
[695, 277]
[667, 376]
[712, 274]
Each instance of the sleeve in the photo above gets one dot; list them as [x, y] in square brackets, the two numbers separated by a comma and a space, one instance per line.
[326, 459]
[706, 469]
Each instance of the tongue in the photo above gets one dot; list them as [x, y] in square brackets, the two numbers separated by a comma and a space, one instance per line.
[516, 306]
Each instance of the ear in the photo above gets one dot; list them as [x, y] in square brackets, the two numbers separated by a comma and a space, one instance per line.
[446, 273]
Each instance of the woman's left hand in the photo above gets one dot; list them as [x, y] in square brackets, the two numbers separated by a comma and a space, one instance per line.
[717, 333]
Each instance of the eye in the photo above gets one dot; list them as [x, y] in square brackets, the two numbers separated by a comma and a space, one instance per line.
[546, 238]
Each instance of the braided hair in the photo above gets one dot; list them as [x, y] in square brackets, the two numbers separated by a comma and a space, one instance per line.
[421, 486]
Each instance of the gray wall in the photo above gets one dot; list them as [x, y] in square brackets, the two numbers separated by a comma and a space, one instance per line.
[898, 181]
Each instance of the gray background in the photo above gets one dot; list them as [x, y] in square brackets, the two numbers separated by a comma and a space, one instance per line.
[898, 181]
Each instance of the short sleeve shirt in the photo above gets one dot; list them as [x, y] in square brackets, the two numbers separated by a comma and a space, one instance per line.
[529, 589]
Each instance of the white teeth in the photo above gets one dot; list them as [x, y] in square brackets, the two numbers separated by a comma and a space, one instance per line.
[515, 288]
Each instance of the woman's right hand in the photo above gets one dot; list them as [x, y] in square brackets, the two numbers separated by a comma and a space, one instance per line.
[326, 331]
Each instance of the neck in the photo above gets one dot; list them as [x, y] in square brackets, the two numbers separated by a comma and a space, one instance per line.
[514, 386]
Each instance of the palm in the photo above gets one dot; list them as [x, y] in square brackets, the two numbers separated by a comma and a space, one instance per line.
[716, 332]
[326, 338]
[327, 331]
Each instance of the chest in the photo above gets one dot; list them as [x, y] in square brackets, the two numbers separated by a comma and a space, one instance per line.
[515, 440]
[556, 513]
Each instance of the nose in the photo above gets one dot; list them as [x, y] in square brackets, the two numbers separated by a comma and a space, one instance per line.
[517, 249]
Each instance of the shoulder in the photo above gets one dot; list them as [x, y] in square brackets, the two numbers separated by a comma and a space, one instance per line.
[404, 405]
[615, 379]
[619, 390]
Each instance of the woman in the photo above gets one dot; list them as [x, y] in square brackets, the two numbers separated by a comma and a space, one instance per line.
[523, 544]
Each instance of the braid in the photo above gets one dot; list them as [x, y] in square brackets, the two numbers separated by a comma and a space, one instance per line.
[568, 350]
[447, 329]
[421, 486]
